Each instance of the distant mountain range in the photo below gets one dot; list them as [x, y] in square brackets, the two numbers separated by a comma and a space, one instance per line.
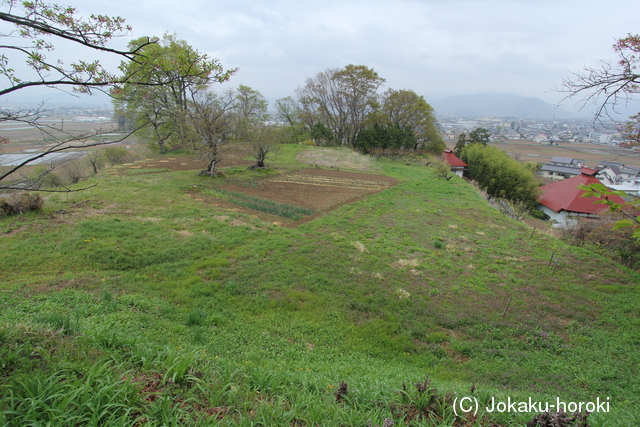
[499, 105]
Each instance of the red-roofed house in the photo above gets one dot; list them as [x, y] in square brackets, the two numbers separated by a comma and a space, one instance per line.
[563, 203]
[457, 166]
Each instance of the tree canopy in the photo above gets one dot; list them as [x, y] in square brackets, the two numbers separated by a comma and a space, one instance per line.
[39, 28]
[250, 110]
[340, 99]
[156, 97]
[409, 111]
[387, 137]
[479, 136]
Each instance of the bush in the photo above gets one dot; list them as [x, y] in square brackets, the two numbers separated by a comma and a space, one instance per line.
[17, 204]
[116, 155]
[599, 237]
[499, 175]
[538, 214]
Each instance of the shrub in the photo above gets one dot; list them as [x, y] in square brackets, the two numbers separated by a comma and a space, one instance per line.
[500, 175]
[20, 203]
[116, 155]
[599, 237]
[538, 214]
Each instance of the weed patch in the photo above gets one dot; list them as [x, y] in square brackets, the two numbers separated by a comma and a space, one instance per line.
[267, 206]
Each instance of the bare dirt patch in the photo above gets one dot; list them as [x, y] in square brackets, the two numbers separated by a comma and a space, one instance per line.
[319, 189]
[230, 157]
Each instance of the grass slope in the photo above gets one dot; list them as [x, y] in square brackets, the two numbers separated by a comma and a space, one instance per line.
[134, 303]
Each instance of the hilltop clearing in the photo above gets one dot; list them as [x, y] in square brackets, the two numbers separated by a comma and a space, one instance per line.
[159, 296]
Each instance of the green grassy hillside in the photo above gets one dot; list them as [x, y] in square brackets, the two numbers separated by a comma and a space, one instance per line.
[144, 301]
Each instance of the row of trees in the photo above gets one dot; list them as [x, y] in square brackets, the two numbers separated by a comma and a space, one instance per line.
[343, 106]
[338, 106]
[162, 93]
[185, 112]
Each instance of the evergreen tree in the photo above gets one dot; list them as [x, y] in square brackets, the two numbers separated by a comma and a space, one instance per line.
[462, 141]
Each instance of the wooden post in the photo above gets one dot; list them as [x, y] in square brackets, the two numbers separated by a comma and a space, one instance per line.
[504, 313]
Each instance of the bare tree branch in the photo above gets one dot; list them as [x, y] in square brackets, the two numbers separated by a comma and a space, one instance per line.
[611, 85]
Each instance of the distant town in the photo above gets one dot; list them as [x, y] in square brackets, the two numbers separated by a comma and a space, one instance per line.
[550, 132]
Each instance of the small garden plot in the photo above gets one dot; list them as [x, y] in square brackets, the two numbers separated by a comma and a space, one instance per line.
[307, 193]
[267, 206]
[332, 181]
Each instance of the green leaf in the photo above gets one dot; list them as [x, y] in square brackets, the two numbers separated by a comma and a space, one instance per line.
[599, 187]
[622, 224]
[618, 193]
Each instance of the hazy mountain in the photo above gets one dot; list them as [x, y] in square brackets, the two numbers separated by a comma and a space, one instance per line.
[499, 105]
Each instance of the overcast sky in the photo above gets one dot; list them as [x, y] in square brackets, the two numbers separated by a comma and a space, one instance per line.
[438, 48]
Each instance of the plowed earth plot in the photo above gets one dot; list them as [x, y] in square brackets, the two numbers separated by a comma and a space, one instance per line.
[332, 182]
[318, 189]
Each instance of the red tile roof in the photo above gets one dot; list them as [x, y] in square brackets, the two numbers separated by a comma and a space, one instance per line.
[452, 159]
[565, 195]
[588, 171]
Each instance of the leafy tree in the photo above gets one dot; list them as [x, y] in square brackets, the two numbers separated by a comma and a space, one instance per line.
[462, 141]
[393, 140]
[288, 113]
[250, 109]
[369, 139]
[409, 111]
[116, 155]
[320, 133]
[340, 99]
[38, 27]
[611, 84]
[479, 136]
[628, 210]
[143, 100]
[262, 143]
[440, 167]
[210, 126]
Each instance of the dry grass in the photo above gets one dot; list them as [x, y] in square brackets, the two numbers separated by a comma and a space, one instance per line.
[335, 158]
